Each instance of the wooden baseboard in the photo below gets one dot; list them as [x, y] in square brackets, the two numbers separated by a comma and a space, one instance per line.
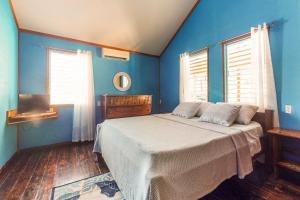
[47, 146]
[53, 145]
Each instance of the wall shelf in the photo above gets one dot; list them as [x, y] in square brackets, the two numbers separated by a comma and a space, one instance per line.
[285, 133]
[277, 148]
[289, 165]
[12, 117]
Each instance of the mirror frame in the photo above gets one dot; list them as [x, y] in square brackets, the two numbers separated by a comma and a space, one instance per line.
[115, 81]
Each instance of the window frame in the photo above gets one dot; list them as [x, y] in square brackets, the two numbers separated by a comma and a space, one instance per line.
[48, 78]
[206, 49]
[224, 59]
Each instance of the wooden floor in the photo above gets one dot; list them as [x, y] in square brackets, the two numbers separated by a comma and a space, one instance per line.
[33, 173]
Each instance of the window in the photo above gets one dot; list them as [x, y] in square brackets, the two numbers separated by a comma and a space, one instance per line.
[198, 64]
[240, 82]
[194, 76]
[63, 76]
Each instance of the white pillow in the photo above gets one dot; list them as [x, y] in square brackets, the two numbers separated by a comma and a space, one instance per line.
[203, 107]
[186, 109]
[223, 114]
[246, 113]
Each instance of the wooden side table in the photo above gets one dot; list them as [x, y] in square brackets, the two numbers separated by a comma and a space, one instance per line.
[277, 160]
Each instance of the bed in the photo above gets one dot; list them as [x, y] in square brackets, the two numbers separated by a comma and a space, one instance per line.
[165, 157]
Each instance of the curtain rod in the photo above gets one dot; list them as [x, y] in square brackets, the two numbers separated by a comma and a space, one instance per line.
[270, 25]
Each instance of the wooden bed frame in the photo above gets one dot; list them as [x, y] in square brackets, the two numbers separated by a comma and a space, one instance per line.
[265, 119]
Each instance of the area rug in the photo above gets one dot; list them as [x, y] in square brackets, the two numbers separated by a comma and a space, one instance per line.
[101, 187]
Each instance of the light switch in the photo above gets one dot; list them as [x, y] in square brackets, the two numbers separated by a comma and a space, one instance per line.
[99, 103]
[288, 109]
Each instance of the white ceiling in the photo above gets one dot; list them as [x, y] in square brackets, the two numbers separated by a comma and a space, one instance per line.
[139, 25]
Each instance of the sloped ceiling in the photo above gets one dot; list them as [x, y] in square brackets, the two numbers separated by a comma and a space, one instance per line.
[139, 25]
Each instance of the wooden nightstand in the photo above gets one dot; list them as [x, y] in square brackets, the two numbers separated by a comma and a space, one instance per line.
[277, 149]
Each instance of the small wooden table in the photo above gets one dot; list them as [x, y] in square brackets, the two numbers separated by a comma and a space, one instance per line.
[277, 148]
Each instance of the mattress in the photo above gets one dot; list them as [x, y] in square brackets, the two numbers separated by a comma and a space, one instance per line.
[164, 157]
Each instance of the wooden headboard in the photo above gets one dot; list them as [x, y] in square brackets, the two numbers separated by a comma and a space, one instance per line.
[265, 119]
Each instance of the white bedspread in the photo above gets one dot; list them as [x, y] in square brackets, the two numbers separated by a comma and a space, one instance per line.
[164, 157]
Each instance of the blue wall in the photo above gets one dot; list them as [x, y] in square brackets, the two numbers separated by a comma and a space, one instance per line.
[213, 21]
[144, 72]
[8, 79]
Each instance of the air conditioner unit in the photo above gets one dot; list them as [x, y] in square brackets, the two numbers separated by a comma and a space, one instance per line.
[115, 54]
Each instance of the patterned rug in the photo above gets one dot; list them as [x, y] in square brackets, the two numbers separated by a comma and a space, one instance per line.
[101, 187]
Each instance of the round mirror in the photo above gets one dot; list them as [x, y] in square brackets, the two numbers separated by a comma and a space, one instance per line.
[122, 81]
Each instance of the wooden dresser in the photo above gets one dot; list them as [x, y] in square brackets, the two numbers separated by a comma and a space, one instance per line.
[118, 106]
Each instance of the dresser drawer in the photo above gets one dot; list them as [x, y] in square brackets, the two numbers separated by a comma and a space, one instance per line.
[118, 106]
[128, 100]
[127, 111]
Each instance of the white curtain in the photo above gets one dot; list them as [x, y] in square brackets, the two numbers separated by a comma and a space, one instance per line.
[262, 60]
[84, 107]
[184, 81]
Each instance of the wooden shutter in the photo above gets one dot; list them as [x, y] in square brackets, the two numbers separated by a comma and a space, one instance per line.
[63, 72]
[198, 74]
[241, 80]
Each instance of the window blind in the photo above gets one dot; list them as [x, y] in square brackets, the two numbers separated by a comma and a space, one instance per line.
[63, 73]
[198, 76]
[241, 84]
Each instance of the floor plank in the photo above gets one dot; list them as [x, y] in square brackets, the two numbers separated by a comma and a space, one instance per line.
[33, 173]
[12, 175]
[36, 179]
[48, 176]
[24, 176]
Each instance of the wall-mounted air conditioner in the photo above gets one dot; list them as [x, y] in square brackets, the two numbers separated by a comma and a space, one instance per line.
[115, 54]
